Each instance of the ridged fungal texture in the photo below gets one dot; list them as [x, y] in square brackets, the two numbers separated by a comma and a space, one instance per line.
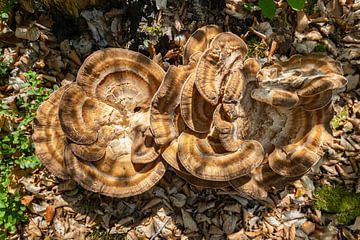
[218, 120]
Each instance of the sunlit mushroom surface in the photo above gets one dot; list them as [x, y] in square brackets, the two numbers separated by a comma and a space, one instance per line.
[219, 119]
[96, 131]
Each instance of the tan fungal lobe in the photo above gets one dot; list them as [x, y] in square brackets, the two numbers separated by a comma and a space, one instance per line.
[200, 159]
[235, 86]
[115, 175]
[226, 130]
[317, 101]
[321, 84]
[92, 152]
[275, 97]
[199, 41]
[195, 111]
[297, 158]
[109, 72]
[48, 137]
[77, 128]
[216, 62]
[250, 69]
[144, 150]
[164, 103]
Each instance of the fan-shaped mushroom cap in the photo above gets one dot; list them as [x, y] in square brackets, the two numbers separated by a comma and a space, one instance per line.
[321, 84]
[120, 77]
[164, 103]
[170, 155]
[81, 116]
[115, 175]
[103, 122]
[250, 69]
[226, 130]
[92, 152]
[235, 86]
[262, 180]
[48, 137]
[201, 158]
[297, 158]
[275, 97]
[305, 75]
[216, 62]
[195, 111]
[143, 150]
[199, 41]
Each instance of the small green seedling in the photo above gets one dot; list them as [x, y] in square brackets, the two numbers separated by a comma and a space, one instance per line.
[338, 118]
[268, 7]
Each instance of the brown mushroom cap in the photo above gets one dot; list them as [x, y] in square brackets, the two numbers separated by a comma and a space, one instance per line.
[164, 103]
[199, 41]
[321, 84]
[144, 150]
[201, 158]
[97, 122]
[195, 111]
[298, 157]
[317, 101]
[92, 152]
[48, 137]
[305, 75]
[115, 175]
[234, 87]
[170, 156]
[227, 132]
[81, 116]
[106, 117]
[109, 73]
[276, 97]
[251, 68]
[215, 64]
[262, 180]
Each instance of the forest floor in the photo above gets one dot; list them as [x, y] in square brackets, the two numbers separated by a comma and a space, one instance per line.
[41, 51]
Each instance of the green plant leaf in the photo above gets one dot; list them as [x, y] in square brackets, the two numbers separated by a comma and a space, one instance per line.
[267, 7]
[296, 4]
[249, 6]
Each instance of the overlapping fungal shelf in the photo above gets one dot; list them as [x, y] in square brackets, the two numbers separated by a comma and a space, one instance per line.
[220, 119]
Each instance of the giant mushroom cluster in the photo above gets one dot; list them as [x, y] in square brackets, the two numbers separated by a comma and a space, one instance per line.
[219, 119]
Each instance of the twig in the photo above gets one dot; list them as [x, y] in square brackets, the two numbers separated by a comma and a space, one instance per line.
[160, 229]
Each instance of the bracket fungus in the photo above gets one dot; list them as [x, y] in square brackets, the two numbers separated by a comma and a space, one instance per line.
[219, 119]
[96, 128]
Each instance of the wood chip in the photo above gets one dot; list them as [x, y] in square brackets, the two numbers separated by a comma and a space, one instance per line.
[189, 222]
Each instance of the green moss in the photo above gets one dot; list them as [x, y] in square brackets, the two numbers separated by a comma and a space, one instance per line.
[311, 7]
[320, 48]
[342, 115]
[335, 199]
[256, 47]
[101, 234]
[5, 8]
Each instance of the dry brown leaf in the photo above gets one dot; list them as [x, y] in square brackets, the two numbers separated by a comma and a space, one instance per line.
[26, 200]
[308, 227]
[302, 21]
[28, 33]
[178, 24]
[73, 56]
[292, 232]
[49, 213]
[189, 222]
